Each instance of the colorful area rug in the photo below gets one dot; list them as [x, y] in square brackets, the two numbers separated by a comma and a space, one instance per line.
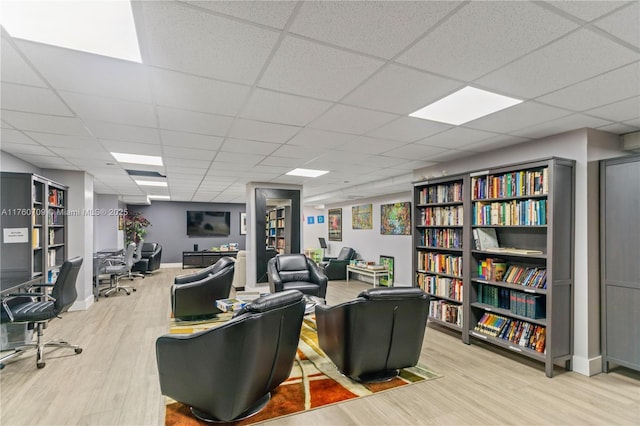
[314, 380]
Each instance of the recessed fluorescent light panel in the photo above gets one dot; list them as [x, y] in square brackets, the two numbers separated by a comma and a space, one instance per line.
[151, 183]
[159, 197]
[150, 160]
[307, 172]
[102, 27]
[465, 105]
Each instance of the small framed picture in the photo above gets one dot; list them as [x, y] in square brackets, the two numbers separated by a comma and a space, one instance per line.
[388, 262]
[321, 219]
[243, 223]
[310, 220]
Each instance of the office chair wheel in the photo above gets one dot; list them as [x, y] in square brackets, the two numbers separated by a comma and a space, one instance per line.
[135, 289]
[78, 350]
[1, 366]
[41, 364]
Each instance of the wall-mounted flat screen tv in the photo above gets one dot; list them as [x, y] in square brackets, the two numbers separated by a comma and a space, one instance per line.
[208, 224]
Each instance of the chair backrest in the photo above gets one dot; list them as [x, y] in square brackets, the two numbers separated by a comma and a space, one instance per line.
[128, 255]
[346, 253]
[138, 254]
[64, 290]
[292, 267]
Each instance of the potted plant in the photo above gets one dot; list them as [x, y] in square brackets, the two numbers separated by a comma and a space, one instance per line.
[135, 227]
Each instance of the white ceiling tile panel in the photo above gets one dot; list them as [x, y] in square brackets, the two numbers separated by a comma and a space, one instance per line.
[15, 136]
[409, 129]
[46, 161]
[451, 154]
[601, 90]
[369, 145]
[174, 89]
[348, 119]
[261, 131]
[87, 73]
[564, 124]
[620, 128]
[271, 13]
[243, 145]
[245, 158]
[517, 117]
[484, 36]
[587, 10]
[495, 142]
[414, 152]
[65, 141]
[111, 110]
[20, 148]
[188, 153]
[635, 122]
[456, 138]
[38, 100]
[45, 123]
[82, 153]
[266, 105]
[316, 137]
[123, 132]
[282, 161]
[623, 24]
[172, 163]
[193, 122]
[182, 39]
[618, 111]
[131, 148]
[190, 140]
[221, 165]
[299, 152]
[401, 90]
[560, 64]
[184, 170]
[310, 69]
[379, 28]
[13, 68]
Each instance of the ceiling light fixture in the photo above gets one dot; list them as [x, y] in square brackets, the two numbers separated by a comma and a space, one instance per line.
[101, 27]
[465, 105]
[307, 172]
[151, 183]
[150, 160]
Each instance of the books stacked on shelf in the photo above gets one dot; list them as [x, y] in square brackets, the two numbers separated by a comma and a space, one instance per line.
[485, 238]
[514, 184]
[52, 237]
[527, 305]
[494, 296]
[491, 324]
[55, 217]
[441, 238]
[231, 305]
[51, 257]
[522, 333]
[52, 276]
[442, 216]
[508, 213]
[450, 288]
[526, 276]
[447, 312]
[446, 193]
[56, 197]
[35, 237]
[492, 269]
[440, 263]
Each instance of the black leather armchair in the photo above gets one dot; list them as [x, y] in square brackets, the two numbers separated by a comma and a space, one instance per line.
[335, 268]
[373, 336]
[151, 257]
[195, 295]
[296, 272]
[227, 373]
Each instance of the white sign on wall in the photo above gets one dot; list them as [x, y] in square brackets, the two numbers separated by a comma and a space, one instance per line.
[15, 235]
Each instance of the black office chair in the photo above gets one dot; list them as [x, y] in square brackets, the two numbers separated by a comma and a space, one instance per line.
[41, 308]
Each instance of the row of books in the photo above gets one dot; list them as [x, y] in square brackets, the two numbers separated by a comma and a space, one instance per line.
[445, 193]
[56, 197]
[526, 276]
[517, 302]
[492, 269]
[440, 263]
[55, 217]
[521, 333]
[447, 312]
[440, 286]
[443, 238]
[515, 184]
[51, 258]
[441, 216]
[516, 212]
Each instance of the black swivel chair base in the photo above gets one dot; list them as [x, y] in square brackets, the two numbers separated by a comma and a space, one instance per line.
[378, 376]
[251, 411]
[39, 346]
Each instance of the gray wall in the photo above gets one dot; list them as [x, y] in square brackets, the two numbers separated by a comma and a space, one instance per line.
[169, 227]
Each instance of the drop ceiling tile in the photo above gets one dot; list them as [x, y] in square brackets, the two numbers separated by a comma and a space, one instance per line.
[483, 36]
[14, 69]
[619, 128]
[378, 28]
[46, 161]
[298, 152]
[414, 152]
[31, 99]
[309, 69]
[245, 158]
[82, 153]
[123, 132]
[601, 90]
[564, 124]
[243, 145]
[190, 140]
[400, 90]
[87, 73]
[261, 131]
[492, 143]
[176, 164]
[188, 153]
[282, 161]
[131, 148]
[455, 138]
[623, 24]
[184, 170]
[193, 122]
[408, 129]
[273, 13]
[15, 136]
[180, 38]
[64, 141]
[519, 116]
[635, 122]
[19, 148]
[347, 119]
[219, 165]
[111, 110]
[45, 123]
[369, 145]
[375, 161]
[559, 64]
[274, 107]
[316, 137]
[587, 10]
[451, 154]
[618, 111]
[174, 89]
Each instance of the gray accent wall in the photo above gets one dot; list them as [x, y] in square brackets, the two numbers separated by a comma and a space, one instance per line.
[169, 227]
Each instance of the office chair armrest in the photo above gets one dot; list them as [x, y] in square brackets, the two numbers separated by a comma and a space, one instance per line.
[12, 296]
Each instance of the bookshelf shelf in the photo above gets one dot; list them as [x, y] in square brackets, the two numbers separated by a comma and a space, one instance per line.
[279, 229]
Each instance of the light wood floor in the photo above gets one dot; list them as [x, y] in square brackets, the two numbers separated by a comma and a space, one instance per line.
[114, 381]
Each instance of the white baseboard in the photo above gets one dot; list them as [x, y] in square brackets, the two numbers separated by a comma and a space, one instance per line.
[587, 366]
[82, 305]
[170, 265]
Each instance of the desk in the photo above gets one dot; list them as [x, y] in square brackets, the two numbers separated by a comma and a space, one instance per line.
[368, 272]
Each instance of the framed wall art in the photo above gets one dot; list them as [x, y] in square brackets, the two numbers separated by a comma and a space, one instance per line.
[388, 262]
[335, 224]
[243, 223]
[395, 219]
[362, 217]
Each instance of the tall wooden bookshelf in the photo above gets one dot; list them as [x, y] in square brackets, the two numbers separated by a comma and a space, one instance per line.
[36, 206]
[516, 254]
[279, 229]
[439, 241]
